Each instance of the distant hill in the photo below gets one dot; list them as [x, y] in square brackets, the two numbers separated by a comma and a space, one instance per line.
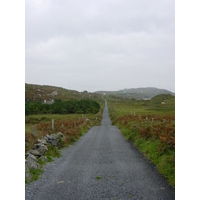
[137, 93]
[162, 98]
[44, 92]
[35, 92]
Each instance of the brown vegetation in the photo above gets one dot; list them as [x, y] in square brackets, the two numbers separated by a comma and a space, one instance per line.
[162, 128]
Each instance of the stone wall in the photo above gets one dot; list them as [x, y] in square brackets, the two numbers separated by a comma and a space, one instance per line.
[38, 152]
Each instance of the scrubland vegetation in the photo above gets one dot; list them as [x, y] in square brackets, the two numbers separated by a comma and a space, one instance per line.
[62, 107]
[72, 126]
[150, 125]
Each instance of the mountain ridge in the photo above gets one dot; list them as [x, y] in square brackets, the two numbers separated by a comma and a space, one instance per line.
[35, 92]
[137, 93]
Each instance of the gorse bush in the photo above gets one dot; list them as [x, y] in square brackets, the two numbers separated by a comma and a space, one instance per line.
[63, 107]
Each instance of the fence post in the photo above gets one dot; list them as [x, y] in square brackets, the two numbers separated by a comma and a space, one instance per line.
[33, 133]
[52, 125]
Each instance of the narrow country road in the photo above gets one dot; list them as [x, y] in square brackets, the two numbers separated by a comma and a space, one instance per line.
[101, 165]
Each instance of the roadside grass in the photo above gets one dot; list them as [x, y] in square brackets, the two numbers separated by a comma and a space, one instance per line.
[155, 138]
[52, 152]
[35, 173]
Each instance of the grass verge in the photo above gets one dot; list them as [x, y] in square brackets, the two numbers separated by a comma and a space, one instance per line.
[152, 133]
[35, 173]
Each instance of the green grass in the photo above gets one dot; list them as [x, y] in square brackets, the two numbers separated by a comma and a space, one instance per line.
[98, 177]
[52, 152]
[143, 107]
[41, 162]
[163, 160]
[35, 173]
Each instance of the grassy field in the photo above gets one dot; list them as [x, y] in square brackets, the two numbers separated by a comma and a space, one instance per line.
[144, 107]
[150, 125]
[62, 123]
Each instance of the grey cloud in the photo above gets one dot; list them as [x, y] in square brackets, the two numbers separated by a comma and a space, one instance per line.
[87, 39]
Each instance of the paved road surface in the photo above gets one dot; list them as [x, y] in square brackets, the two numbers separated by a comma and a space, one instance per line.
[101, 165]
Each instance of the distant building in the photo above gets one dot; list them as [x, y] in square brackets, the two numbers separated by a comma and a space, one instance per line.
[48, 102]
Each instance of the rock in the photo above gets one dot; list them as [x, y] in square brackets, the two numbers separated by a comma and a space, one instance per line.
[51, 139]
[32, 157]
[41, 148]
[35, 152]
[42, 141]
[54, 143]
[48, 138]
[27, 174]
[59, 135]
[32, 162]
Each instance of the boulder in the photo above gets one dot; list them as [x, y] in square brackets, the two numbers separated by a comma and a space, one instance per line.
[31, 162]
[35, 152]
[42, 141]
[32, 157]
[51, 139]
[41, 148]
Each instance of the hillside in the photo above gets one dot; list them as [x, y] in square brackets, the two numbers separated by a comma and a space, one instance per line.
[43, 92]
[162, 98]
[137, 93]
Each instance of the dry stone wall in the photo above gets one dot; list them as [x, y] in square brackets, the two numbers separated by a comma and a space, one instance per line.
[38, 152]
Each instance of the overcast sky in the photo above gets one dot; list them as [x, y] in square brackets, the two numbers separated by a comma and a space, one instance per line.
[100, 44]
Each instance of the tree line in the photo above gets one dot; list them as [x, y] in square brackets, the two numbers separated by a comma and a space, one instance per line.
[62, 107]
